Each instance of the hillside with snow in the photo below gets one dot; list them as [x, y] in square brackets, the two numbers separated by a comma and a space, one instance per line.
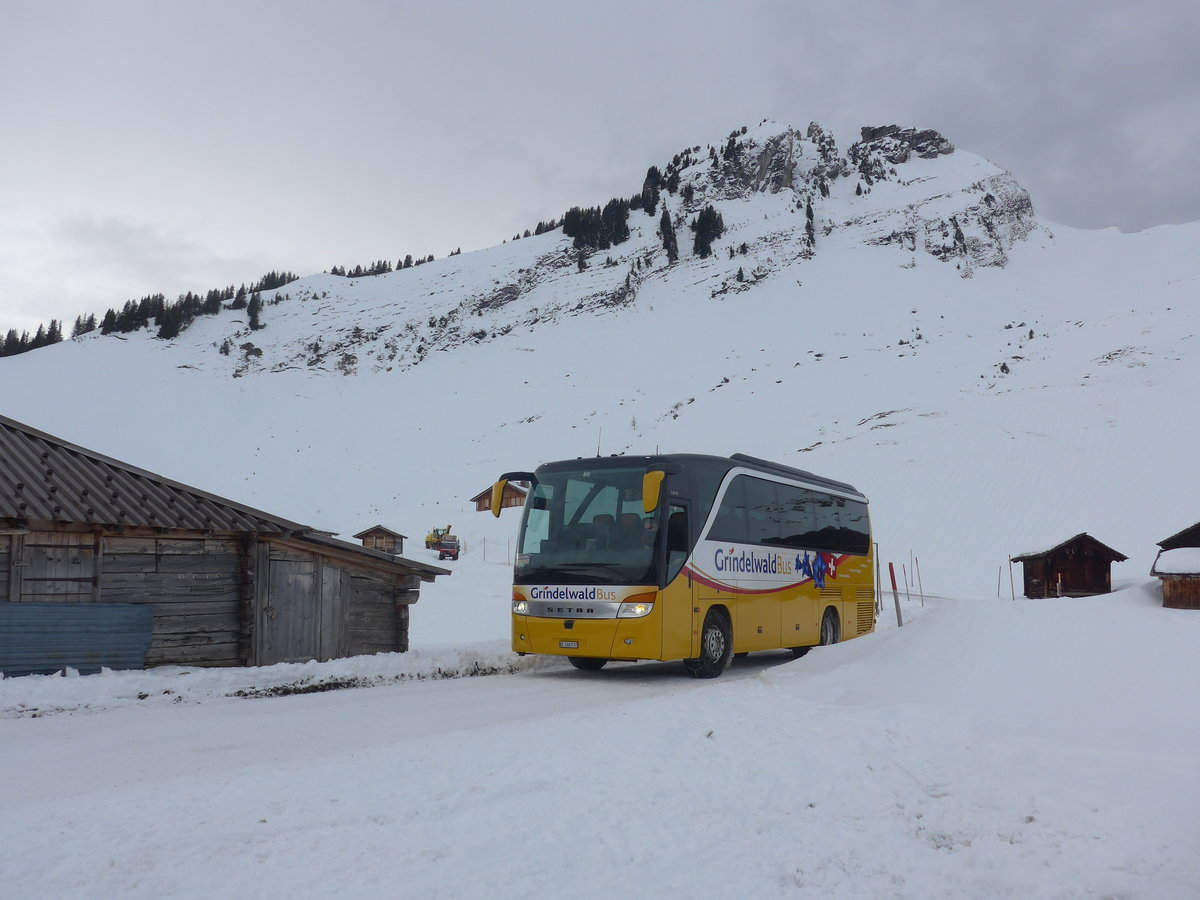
[994, 383]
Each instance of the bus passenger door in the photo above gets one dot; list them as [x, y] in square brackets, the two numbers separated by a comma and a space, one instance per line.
[679, 595]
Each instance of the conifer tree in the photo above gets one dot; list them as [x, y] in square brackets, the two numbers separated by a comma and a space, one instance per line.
[253, 312]
[708, 227]
[666, 230]
[650, 190]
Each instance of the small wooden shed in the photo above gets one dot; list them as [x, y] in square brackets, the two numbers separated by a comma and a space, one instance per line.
[514, 495]
[106, 565]
[1178, 567]
[379, 538]
[1078, 567]
[1179, 571]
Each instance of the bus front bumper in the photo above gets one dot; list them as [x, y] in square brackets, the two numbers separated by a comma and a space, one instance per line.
[627, 639]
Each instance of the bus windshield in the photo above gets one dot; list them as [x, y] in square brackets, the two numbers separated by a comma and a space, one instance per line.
[587, 527]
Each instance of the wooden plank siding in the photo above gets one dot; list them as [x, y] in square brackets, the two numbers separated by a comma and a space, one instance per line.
[194, 586]
[58, 567]
[6, 543]
[220, 600]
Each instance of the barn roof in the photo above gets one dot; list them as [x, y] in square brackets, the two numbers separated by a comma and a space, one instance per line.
[1082, 537]
[46, 479]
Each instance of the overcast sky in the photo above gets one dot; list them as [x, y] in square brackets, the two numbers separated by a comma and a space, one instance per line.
[168, 146]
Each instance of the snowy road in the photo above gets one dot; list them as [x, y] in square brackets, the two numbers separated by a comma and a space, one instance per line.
[988, 750]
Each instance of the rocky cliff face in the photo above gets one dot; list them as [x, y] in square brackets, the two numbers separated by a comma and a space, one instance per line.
[784, 195]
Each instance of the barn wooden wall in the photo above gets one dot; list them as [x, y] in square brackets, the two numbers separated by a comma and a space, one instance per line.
[195, 586]
[218, 602]
[6, 543]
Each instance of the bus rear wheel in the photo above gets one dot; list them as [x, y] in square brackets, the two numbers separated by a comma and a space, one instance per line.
[831, 629]
[716, 647]
[587, 663]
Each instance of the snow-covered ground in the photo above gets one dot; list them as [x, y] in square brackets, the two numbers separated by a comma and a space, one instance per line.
[989, 748]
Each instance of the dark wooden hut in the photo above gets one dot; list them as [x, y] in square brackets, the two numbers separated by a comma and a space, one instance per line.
[1178, 567]
[106, 565]
[379, 538]
[1078, 567]
[514, 495]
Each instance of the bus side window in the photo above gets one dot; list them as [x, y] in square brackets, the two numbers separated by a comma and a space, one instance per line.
[730, 521]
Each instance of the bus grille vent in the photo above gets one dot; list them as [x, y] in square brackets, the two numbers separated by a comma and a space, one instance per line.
[866, 615]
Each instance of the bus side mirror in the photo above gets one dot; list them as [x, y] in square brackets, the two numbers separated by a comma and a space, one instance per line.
[651, 489]
[498, 496]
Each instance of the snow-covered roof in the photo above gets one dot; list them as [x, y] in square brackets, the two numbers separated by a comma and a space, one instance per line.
[1181, 561]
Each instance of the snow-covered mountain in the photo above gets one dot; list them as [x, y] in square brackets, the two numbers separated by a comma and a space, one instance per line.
[894, 315]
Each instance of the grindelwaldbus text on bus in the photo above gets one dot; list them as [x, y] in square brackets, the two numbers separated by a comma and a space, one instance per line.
[688, 557]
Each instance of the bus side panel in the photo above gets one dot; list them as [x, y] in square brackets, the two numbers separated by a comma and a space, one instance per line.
[801, 618]
[756, 622]
[677, 600]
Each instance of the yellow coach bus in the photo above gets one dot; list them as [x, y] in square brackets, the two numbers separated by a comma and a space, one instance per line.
[689, 557]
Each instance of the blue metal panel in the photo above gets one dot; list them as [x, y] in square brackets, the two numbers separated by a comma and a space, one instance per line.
[42, 638]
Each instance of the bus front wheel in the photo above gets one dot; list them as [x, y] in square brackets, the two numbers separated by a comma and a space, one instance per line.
[716, 647]
[587, 663]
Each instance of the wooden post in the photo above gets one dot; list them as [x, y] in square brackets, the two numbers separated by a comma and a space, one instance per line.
[920, 586]
[1012, 588]
[907, 593]
[895, 596]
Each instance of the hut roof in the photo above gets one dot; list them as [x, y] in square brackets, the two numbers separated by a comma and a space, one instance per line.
[1189, 537]
[487, 492]
[1180, 561]
[376, 529]
[1082, 537]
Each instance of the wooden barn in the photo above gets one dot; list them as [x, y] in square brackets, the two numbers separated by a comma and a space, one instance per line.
[106, 565]
[379, 538]
[1078, 567]
[1178, 567]
[514, 495]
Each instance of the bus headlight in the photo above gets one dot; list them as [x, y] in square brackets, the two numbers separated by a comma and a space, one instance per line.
[520, 607]
[636, 606]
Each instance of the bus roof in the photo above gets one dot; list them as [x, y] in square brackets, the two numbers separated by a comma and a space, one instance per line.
[724, 463]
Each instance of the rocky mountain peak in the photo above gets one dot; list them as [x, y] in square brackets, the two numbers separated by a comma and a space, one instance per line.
[775, 196]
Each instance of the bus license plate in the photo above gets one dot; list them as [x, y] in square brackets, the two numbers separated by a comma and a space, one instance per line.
[569, 645]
